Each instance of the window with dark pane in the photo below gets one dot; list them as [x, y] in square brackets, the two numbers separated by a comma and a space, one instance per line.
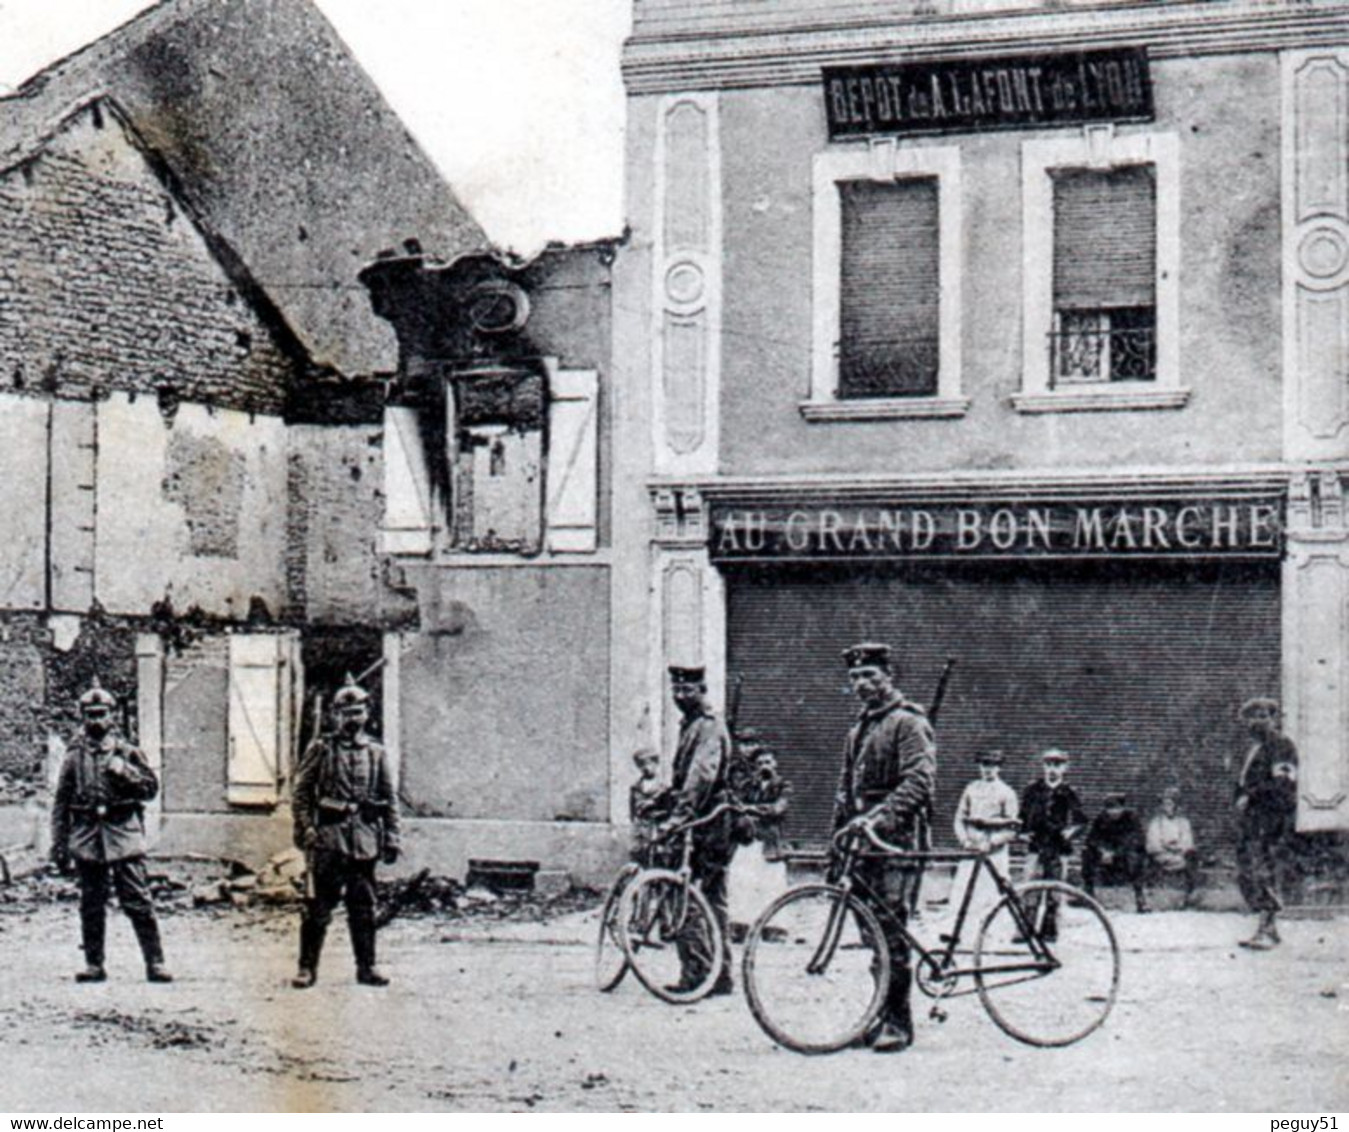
[890, 288]
[1105, 273]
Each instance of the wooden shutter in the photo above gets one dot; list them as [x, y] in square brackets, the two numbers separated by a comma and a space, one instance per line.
[573, 461]
[259, 717]
[407, 485]
[1105, 238]
[890, 288]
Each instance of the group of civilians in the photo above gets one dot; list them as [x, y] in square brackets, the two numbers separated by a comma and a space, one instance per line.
[1116, 847]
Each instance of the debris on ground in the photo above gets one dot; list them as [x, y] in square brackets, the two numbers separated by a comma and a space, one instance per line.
[219, 885]
[158, 1033]
[15, 789]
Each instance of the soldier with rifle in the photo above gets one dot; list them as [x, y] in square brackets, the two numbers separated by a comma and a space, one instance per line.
[346, 821]
[888, 778]
[98, 821]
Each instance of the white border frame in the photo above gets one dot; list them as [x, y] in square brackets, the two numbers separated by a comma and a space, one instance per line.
[1097, 147]
[884, 160]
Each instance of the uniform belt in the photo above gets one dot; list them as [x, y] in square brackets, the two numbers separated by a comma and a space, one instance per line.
[114, 810]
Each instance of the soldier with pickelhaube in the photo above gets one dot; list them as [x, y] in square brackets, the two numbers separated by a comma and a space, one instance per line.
[346, 821]
[98, 825]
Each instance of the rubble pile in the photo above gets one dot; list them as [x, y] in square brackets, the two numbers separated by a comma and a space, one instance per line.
[220, 885]
[14, 789]
[447, 898]
[279, 882]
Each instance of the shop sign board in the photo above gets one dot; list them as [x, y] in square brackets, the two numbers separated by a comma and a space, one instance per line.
[1244, 526]
[998, 93]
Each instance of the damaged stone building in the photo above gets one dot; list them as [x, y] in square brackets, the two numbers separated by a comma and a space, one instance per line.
[249, 449]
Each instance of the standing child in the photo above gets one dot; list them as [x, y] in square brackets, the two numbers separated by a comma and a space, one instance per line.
[986, 821]
[646, 802]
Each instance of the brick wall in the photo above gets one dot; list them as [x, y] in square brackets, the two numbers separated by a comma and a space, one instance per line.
[106, 283]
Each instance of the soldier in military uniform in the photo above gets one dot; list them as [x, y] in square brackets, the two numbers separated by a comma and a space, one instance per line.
[1266, 801]
[346, 821]
[889, 775]
[698, 785]
[98, 821]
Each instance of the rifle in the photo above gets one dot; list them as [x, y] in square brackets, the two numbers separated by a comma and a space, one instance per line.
[733, 711]
[940, 694]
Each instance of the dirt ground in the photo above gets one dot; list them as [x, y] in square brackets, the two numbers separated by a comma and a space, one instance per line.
[501, 1015]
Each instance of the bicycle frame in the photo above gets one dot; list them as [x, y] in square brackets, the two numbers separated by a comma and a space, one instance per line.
[939, 961]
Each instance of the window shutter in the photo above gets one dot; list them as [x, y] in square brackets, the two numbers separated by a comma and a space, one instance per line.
[256, 720]
[890, 288]
[1105, 238]
[573, 461]
[407, 485]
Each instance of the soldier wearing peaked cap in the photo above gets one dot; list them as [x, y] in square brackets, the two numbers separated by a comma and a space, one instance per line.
[98, 821]
[697, 785]
[889, 775]
[346, 821]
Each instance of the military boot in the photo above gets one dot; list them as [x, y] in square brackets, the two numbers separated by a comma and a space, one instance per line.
[152, 950]
[1266, 934]
[311, 947]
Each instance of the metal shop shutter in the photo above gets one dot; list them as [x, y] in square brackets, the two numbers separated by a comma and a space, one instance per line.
[1105, 238]
[890, 288]
[1138, 674]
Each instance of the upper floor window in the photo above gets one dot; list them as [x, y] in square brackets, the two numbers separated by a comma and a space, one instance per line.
[889, 289]
[1105, 266]
[1101, 234]
[887, 283]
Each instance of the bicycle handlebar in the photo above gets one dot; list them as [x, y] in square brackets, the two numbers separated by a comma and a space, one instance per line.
[868, 833]
[714, 813]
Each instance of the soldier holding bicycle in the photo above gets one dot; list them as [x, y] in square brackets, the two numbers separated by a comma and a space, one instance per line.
[889, 775]
[697, 786]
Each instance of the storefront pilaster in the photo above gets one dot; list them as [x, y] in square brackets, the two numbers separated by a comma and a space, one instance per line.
[688, 605]
[1316, 646]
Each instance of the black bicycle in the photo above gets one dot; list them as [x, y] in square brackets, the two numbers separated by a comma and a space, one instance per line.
[1045, 963]
[657, 923]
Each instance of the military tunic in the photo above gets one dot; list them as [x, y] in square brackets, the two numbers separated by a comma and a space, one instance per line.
[698, 785]
[1268, 784]
[890, 771]
[346, 816]
[97, 818]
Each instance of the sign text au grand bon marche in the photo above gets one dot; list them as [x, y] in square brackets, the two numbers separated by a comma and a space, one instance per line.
[1008, 92]
[1164, 528]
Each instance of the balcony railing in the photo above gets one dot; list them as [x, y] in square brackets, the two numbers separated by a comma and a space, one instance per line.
[1102, 353]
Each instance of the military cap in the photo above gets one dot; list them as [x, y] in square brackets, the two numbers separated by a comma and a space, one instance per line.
[351, 694]
[867, 655]
[1054, 755]
[97, 697]
[681, 675]
[1258, 703]
[1116, 798]
[991, 757]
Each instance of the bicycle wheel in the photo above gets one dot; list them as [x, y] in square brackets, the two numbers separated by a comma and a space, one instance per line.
[611, 961]
[1056, 984]
[671, 936]
[817, 969]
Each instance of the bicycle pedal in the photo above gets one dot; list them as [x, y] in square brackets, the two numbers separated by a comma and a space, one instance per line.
[937, 1014]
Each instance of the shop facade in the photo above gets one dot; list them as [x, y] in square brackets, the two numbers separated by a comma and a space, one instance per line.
[1009, 336]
